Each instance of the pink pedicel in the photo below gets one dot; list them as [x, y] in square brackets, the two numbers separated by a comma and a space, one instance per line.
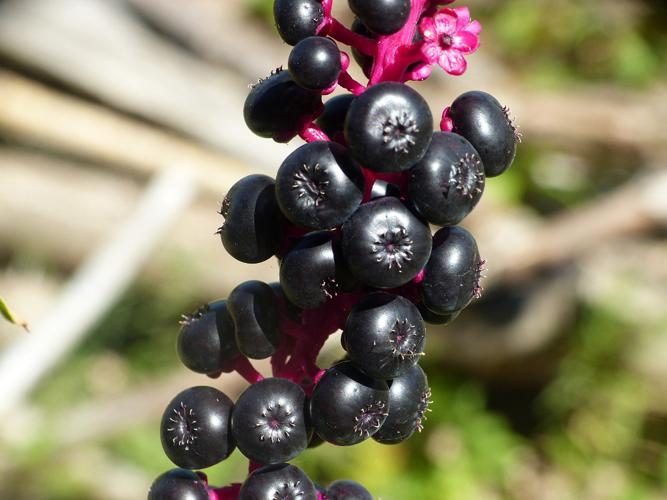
[446, 123]
[447, 35]
[230, 492]
[311, 132]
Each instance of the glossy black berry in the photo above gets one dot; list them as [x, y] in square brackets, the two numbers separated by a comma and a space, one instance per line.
[363, 60]
[278, 482]
[312, 272]
[253, 308]
[481, 119]
[384, 335]
[384, 244]
[252, 229]
[409, 398]
[178, 484]
[207, 343]
[332, 119]
[268, 424]
[346, 489]
[383, 17]
[319, 186]
[314, 63]
[452, 275]
[195, 428]
[446, 184]
[348, 406]
[436, 319]
[276, 105]
[388, 128]
[297, 19]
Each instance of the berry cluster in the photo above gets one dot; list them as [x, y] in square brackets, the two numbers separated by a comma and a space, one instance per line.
[348, 218]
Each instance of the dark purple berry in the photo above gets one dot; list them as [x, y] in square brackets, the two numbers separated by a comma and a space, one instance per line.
[278, 482]
[319, 186]
[207, 343]
[297, 19]
[348, 406]
[388, 128]
[312, 272]
[363, 60]
[178, 484]
[446, 184]
[346, 489]
[383, 17]
[314, 63]
[481, 119]
[384, 244]
[195, 428]
[332, 119]
[384, 335]
[276, 106]
[253, 227]
[452, 275]
[268, 424]
[253, 308]
[409, 398]
[436, 319]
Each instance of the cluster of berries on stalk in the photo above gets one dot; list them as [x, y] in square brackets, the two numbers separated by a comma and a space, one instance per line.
[348, 218]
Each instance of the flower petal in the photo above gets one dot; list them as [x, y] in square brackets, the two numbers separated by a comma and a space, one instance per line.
[428, 30]
[445, 22]
[453, 62]
[465, 42]
[431, 52]
[462, 17]
[474, 27]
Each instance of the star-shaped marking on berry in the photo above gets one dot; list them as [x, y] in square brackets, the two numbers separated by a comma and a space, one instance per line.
[276, 422]
[403, 337]
[511, 120]
[393, 247]
[466, 176]
[370, 418]
[184, 426]
[398, 132]
[422, 408]
[310, 182]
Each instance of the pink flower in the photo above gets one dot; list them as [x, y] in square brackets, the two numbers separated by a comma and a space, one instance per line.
[448, 35]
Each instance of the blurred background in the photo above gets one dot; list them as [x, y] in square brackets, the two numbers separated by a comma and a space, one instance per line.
[121, 129]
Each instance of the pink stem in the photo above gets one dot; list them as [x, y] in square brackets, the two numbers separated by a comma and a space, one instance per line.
[311, 132]
[419, 278]
[230, 492]
[280, 356]
[318, 376]
[328, 5]
[390, 64]
[339, 32]
[446, 123]
[349, 83]
[247, 371]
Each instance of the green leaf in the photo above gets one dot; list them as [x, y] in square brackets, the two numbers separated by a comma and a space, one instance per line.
[10, 316]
